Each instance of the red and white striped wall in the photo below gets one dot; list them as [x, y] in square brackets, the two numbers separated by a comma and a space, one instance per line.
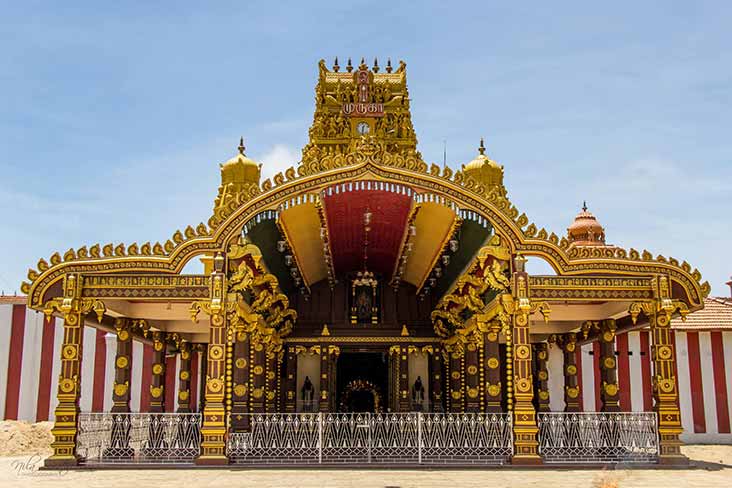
[704, 372]
[30, 348]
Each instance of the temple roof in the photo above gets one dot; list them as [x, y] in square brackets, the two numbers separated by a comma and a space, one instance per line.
[716, 315]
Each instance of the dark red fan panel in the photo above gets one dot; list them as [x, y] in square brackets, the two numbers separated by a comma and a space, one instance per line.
[345, 214]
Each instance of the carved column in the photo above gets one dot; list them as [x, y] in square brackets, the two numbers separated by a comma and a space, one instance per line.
[665, 385]
[568, 342]
[122, 366]
[256, 374]
[240, 398]
[333, 353]
[184, 378]
[324, 383]
[542, 376]
[492, 362]
[271, 380]
[608, 368]
[120, 436]
[436, 376]
[73, 308]
[291, 381]
[213, 446]
[456, 368]
[525, 426]
[157, 385]
[405, 404]
[472, 376]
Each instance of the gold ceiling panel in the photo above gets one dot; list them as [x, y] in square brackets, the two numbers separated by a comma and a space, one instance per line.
[434, 225]
[301, 227]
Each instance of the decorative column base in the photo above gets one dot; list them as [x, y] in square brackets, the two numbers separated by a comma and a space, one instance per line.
[63, 447]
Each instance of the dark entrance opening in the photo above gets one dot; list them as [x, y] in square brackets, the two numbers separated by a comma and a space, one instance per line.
[362, 382]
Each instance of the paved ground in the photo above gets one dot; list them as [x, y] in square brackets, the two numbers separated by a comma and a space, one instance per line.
[712, 467]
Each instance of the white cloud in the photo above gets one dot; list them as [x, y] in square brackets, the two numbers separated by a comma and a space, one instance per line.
[278, 158]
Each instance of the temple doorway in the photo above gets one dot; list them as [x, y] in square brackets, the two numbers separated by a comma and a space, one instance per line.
[362, 382]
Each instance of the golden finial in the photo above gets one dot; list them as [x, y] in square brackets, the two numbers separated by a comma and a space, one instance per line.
[388, 65]
[584, 205]
[363, 64]
[375, 69]
[241, 146]
[349, 66]
[335, 65]
[481, 149]
[325, 331]
[405, 332]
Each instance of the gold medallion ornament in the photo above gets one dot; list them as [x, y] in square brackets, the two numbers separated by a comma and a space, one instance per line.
[664, 352]
[183, 395]
[120, 389]
[123, 335]
[571, 369]
[543, 376]
[258, 370]
[471, 347]
[241, 363]
[455, 375]
[240, 390]
[157, 369]
[216, 352]
[241, 336]
[258, 347]
[67, 385]
[666, 385]
[270, 375]
[122, 362]
[472, 369]
[156, 391]
[543, 395]
[185, 355]
[523, 384]
[609, 363]
[258, 392]
[185, 375]
[572, 392]
[215, 384]
[492, 336]
[456, 394]
[492, 363]
[494, 390]
[158, 346]
[608, 336]
[611, 389]
[473, 392]
[541, 355]
[270, 395]
[522, 351]
[570, 347]
[69, 351]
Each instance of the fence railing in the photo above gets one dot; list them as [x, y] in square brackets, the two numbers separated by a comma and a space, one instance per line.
[131, 438]
[363, 438]
[621, 437]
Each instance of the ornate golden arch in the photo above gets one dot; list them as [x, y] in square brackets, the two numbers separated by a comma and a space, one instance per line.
[369, 159]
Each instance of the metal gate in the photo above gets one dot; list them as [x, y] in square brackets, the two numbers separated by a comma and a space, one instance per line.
[364, 438]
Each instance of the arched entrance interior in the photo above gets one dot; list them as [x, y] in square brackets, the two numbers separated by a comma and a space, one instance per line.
[362, 380]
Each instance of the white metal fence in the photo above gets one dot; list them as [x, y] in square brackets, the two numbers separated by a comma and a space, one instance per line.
[364, 438]
[130, 438]
[619, 437]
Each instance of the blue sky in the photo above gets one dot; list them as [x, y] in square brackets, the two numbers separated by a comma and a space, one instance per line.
[114, 118]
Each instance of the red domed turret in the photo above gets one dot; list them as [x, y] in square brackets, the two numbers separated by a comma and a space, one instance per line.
[586, 230]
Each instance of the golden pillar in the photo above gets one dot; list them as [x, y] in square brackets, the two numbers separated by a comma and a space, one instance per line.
[665, 385]
[240, 389]
[609, 395]
[291, 380]
[525, 427]
[473, 373]
[568, 343]
[213, 431]
[73, 308]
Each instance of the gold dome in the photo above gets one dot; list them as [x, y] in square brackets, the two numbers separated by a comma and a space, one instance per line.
[240, 170]
[586, 230]
[484, 170]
